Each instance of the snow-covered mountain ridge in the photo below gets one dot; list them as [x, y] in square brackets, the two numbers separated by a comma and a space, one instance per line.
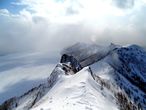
[90, 77]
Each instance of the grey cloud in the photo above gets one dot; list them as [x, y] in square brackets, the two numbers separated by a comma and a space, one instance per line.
[124, 4]
[38, 35]
[121, 37]
[41, 35]
[71, 11]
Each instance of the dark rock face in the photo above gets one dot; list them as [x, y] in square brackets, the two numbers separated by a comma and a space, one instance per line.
[9, 104]
[72, 61]
[133, 66]
[133, 69]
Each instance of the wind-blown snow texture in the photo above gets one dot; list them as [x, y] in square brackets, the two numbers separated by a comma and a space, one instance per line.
[109, 78]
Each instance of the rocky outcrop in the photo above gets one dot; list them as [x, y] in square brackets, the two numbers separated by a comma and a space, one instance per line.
[71, 62]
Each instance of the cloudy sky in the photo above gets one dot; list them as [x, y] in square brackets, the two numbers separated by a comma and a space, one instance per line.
[50, 25]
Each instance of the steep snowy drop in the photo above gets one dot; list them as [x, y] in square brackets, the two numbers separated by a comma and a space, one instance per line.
[90, 77]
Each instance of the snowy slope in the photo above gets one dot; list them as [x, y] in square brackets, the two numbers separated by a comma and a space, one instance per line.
[28, 99]
[123, 70]
[64, 92]
[76, 92]
[110, 78]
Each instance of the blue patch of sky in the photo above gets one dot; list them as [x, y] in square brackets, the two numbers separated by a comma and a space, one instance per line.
[7, 4]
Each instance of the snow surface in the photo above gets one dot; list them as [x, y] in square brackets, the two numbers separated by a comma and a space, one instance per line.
[76, 92]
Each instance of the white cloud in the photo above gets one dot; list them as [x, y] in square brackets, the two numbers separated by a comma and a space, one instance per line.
[52, 25]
